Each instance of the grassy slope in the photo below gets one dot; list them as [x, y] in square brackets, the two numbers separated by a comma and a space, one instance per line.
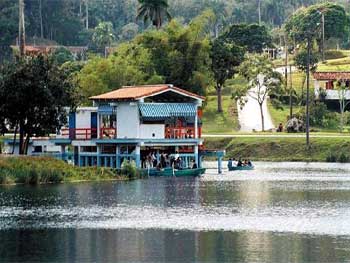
[225, 122]
[280, 149]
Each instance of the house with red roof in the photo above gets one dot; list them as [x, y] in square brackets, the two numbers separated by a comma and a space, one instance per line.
[134, 123]
[325, 84]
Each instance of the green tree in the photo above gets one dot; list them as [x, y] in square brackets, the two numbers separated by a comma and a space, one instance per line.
[262, 80]
[253, 37]
[343, 93]
[153, 10]
[226, 58]
[34, 92]
[306, 22]
[103, 35]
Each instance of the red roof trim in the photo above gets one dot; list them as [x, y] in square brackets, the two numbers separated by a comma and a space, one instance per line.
[345, 75]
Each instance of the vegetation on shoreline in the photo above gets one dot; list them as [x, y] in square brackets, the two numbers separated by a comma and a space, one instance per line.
[41, 170]
[283, 149]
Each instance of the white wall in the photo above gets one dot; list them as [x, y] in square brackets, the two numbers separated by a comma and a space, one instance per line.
[83, 119]
[128, 120]
[147, 131]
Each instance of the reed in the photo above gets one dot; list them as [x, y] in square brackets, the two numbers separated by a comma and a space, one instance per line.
[39, 170]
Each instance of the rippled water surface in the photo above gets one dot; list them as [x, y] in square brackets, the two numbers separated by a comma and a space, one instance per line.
[280, 212]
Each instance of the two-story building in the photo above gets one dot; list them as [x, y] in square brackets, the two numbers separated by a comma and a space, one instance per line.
[132, 123]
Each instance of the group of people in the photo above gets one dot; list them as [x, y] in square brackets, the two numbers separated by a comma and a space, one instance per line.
[164, 160]
[238, 163]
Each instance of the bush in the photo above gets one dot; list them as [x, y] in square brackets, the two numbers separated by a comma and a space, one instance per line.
[331, 158]
[343, 158]
[334, 54]
[129, 169]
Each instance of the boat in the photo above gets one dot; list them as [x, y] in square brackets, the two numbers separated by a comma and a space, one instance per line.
[175, 172]
[240, 168]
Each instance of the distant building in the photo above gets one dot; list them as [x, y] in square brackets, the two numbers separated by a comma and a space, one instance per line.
[326, 82]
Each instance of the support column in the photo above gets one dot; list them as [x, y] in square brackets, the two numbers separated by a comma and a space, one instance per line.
[196, 124]
[63, 152]
[118, 157]
[196, 155]
[138, 156]
[98, 154]
[220, 165]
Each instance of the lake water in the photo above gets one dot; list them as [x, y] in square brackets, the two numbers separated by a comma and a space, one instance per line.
[280, 212]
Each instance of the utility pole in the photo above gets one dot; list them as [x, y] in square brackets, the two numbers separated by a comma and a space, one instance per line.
[286, 59]
[41, 19]
[290, 93]
[308, 91]
[323, 58]
[21, 28]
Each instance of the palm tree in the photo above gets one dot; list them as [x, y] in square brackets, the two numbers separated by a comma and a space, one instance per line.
[153, 10]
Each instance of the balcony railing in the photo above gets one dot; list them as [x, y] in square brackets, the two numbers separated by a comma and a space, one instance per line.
[88, 133]
[180, 132]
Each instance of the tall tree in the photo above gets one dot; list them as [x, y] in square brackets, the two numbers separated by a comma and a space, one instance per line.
[225, 57]
[253, 37]
[103, 35]
[49, 90]
[154, 10]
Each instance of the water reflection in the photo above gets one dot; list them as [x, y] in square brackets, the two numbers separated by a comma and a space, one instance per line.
[300, 214]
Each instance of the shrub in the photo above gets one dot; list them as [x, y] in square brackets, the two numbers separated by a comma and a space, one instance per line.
[331, 158]
[343, 158]
[334, 54]
[129, 169]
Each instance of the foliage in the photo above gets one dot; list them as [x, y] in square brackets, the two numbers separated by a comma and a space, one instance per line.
[103, 34]
[180, 53]
[334, 54]
[129, 65]
[300, 60]
[154, 11]
[129, 31]
[62, 55]
[37, 170]
[225, 57]
[34, 92]
[250, 36]
[129, 169]
[306, 22]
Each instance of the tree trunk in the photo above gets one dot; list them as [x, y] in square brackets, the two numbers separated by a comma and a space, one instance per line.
[21, 138]
[262, 117]
[41, 19]
[219, 94]
[259, 11]
[21, 28]
[26, 144]
[87, 13]
[14, 140]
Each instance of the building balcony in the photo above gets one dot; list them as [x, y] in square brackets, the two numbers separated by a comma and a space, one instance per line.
[88, 133]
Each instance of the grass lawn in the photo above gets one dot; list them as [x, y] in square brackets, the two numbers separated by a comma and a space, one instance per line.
[281, 116]
[341, 64]
[280, 149]
[225, 122]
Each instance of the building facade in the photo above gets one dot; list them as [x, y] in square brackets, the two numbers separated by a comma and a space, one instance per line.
[132, 123]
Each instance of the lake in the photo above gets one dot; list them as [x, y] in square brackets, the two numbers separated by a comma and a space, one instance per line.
[280, 212]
